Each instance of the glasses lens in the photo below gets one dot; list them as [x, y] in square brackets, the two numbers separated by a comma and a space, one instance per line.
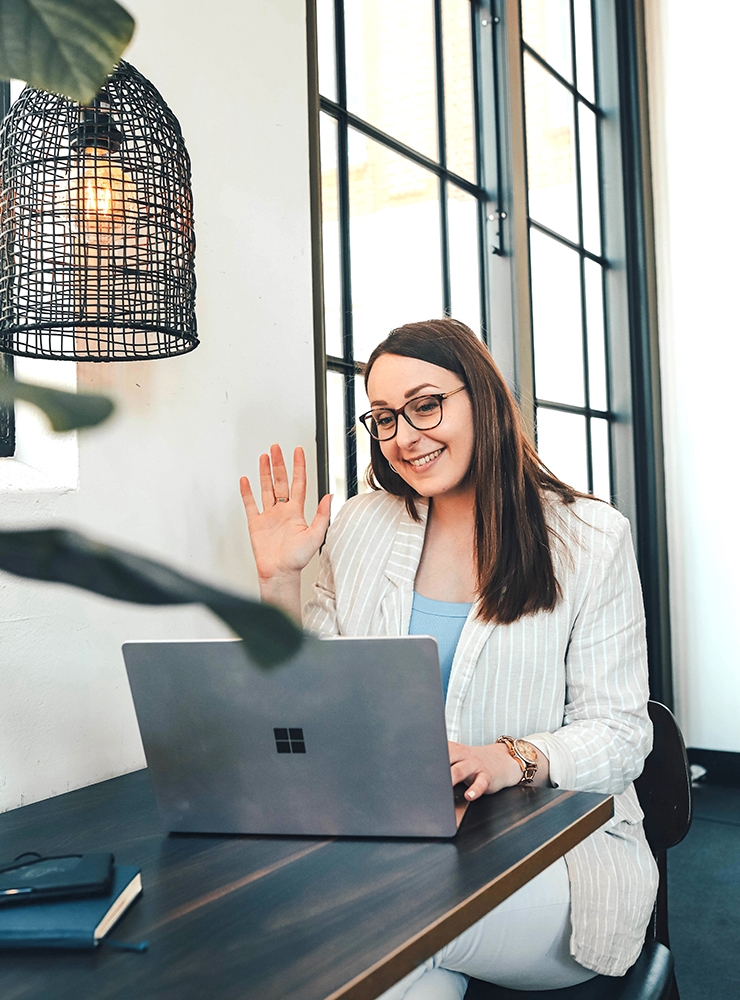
[382, 424]
[424, 412]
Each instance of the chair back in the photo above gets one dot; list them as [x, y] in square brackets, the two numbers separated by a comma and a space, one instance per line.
[664, 787]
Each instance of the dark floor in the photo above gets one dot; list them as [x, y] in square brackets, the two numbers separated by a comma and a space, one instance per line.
[704, 898]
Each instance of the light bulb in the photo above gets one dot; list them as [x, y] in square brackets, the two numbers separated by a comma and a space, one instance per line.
[102, 198]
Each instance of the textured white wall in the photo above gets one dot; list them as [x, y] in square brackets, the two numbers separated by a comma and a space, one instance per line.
[694, 94]
[162, 476]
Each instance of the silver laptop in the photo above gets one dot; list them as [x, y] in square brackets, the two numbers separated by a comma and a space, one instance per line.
[346, 739]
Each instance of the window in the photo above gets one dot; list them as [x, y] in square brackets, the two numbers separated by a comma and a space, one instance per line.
[406, 220]
[567, 267]
[7, 411]
[40, 459]
[488, 160]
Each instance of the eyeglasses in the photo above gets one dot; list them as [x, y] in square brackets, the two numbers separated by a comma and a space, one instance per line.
[423, 413]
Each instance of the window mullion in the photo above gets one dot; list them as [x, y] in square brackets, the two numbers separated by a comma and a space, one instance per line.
[444, 234]
[518, 214]
[345, 250]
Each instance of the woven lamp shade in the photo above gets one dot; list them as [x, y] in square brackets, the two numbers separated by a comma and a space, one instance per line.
[97, 247]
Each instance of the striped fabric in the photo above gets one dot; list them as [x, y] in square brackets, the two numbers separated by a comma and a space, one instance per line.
[572, 681]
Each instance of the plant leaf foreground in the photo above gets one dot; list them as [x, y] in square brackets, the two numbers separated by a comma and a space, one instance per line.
[69, 557]
[67, 46]
[66, 410]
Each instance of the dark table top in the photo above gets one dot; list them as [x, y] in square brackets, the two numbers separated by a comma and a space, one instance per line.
[281, 918]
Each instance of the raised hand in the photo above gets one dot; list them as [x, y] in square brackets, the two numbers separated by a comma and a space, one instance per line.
[283, 542]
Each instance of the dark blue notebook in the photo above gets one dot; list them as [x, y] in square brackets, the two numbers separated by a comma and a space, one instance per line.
[70, 923]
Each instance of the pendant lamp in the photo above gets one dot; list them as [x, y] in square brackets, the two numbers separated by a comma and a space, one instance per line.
[97, 246]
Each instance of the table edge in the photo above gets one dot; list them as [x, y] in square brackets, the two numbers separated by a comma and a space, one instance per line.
[398, 963]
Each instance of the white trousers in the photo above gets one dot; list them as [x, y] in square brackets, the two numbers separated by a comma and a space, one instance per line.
[522, 945]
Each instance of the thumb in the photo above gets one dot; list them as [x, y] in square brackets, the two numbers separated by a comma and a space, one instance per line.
[323, 512]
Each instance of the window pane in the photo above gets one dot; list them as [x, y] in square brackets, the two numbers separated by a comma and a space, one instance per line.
[589, 179]
[362, 404]
[330, 237]
[462, 218]
[600, 459]
[337, 437]
[395, 245]
[326, 46]
[584, 49]
[556, 320]
[458, 80]
[561, 443]
[546, 28]
[391, 77]
[551, 172]
[595, 325]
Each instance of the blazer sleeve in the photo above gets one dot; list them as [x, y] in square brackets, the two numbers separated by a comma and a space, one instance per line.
[607, 731]
[320, 612]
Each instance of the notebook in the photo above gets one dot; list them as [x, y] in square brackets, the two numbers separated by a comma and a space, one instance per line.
[70, 923]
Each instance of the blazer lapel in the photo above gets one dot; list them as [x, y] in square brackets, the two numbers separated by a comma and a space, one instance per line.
[400, 572]
[474, 636]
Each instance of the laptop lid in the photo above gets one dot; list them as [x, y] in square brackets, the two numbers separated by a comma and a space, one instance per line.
[347, 738]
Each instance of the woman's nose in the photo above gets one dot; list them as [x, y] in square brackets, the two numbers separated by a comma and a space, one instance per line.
[406, 434]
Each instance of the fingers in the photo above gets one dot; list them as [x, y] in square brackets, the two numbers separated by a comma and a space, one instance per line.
[479, 786]
[266, 486]
[468, 768]
[279, 472]
[473, 775]
[298, 491]
[320, 522]
[274, 485]
[250, 505]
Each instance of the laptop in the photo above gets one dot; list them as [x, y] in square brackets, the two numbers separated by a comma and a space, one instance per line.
[347, 738]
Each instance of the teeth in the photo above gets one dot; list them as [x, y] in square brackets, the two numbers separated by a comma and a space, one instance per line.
[426, 458]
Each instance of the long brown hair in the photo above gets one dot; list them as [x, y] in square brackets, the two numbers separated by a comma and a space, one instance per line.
[515, 571]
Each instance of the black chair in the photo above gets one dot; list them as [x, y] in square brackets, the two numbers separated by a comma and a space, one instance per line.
[664, 791]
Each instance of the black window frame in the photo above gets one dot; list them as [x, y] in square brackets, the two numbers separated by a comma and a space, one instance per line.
[7, 410]
[633, 413]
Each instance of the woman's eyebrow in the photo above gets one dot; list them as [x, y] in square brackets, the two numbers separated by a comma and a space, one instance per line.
[406, 395]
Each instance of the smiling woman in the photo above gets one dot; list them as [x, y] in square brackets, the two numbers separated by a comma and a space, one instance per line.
[531, 590]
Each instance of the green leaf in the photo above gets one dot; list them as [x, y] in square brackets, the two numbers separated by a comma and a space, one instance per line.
[66, 46]
[69, 557]
[66, 410]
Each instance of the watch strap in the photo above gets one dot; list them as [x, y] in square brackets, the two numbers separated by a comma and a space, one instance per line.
[529, 767]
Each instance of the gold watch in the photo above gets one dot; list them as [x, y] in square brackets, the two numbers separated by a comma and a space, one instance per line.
[524, 754]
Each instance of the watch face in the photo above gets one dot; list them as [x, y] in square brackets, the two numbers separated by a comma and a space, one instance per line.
[526, 750]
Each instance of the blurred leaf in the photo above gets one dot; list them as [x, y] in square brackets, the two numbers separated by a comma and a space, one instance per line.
[66, 410]
[66, 46]
[69, 557]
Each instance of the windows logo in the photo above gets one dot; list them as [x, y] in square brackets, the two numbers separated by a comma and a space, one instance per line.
[289, 741]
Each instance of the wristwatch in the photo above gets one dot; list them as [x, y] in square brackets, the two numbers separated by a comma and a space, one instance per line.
[524, 754]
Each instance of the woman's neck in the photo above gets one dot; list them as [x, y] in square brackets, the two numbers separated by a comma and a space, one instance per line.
[455, 513]
[447, 570]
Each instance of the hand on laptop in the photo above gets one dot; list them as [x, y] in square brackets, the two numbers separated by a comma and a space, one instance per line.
[282, 541]
[483, 769]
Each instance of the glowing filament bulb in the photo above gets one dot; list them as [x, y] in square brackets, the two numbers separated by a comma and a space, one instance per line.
[97, 197]
[103, 198]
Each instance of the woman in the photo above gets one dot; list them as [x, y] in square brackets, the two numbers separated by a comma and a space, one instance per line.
[532, 591]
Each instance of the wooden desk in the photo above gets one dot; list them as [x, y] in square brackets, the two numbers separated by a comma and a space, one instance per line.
[288, 918]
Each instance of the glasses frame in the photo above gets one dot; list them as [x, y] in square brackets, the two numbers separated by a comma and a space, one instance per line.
[366, 418]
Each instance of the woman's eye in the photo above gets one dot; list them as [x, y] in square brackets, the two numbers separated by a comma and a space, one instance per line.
[383, 419]
[427, 406]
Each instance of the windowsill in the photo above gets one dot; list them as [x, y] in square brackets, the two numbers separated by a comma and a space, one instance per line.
[16, 475]
[44, 461]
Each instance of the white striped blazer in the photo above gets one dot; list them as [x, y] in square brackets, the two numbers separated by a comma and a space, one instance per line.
[573, 681]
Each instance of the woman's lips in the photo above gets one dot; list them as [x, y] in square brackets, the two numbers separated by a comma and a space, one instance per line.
[424, 461]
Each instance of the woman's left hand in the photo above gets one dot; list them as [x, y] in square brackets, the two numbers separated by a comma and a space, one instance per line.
[484, 770]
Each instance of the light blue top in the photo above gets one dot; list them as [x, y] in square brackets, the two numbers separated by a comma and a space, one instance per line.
[444, 620]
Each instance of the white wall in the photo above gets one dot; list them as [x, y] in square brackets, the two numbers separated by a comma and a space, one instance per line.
[694, 94]
[162, 476]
